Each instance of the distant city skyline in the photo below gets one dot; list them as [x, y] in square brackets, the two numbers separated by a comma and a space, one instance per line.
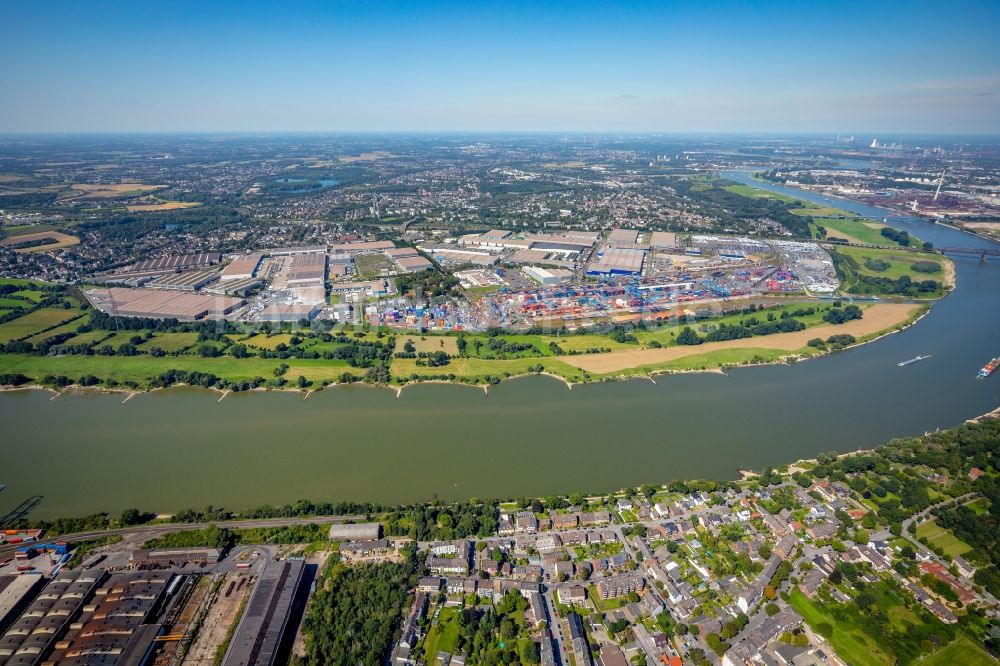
[913, 67]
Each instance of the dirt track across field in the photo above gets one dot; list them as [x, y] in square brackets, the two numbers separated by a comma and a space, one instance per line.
[877, 318]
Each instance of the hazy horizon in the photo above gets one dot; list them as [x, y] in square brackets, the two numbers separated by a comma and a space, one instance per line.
[589, 67]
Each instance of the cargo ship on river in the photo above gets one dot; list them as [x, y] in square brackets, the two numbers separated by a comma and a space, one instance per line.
[988, 369]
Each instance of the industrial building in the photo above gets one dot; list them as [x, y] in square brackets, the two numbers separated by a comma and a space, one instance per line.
[161, 304]
[234, 287]
[548, 277]
[294, 312]
[623, 237]
[448, 255]
[118, 626]
[413, 264]
[243, 267]
[301, 249]
[307, 269]
[401, 252]
[541, 257]
[29, 639]
[663, 240]
[187, 281]
[356, 532]
[260, 633]
[362, 247]
[170, 557]
[617, 261]
[16, 592]
[175, 263]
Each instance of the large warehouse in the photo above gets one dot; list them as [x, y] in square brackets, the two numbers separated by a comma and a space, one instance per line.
[243, 267]
[161, 304]
[307, 269]
[356, 532]
[259, 637]
[617, 261]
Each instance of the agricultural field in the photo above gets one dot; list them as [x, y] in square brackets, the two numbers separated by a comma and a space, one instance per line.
[366, 157]
[7, 303]
[854, 230]
[171, 343]
[36, 322]
[112, 191]
[32, 295]
[17, 282]
[61, 240]
[942, 538]
[269, 342]
[58, 330]
[88, 338]
[165, 205]
[877, 318]
[754, 193]
[140, 369]
[429, 343]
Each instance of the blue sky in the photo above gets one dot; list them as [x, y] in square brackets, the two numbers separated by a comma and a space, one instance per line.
[519, 66]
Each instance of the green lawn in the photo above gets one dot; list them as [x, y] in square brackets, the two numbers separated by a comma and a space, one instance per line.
[980, 506]
[478, 293]
[851, 643]
[35, 322]
[14, 304]
[816, 210]
[32, 295]
[755, 193]
[961, 651]
[90, 337]
[443, 635]
[17, 282]
[855, 230]
[475, 368]
[141, 368]
[942, 538]
[604, 604]
[899, 262]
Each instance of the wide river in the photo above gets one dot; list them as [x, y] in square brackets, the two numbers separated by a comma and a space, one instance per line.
[181, 448]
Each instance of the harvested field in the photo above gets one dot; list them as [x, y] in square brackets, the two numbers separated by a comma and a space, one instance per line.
[166, 205]
[430, 343]
[877, 318]
[61, 241]
[366, 157]
[110, 191]
[269, 342]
